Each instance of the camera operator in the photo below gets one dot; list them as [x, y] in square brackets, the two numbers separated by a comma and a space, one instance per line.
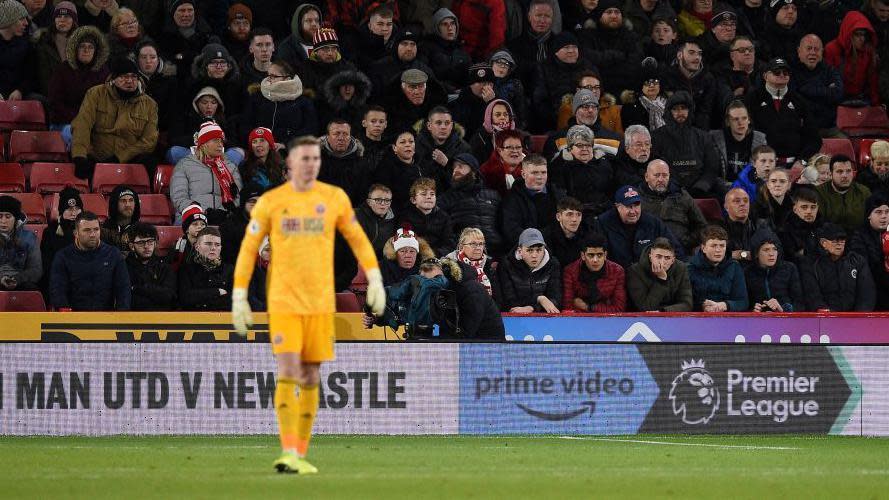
[408, 302]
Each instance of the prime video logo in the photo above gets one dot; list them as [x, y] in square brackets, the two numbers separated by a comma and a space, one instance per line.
[581, 385]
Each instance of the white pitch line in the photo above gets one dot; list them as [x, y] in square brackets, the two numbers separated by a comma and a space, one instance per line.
[668, 443]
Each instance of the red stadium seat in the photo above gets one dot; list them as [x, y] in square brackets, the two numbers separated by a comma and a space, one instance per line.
[835, 147]
[166, 238]
[869, 121]
[110, 175]
[27, 146]
[32, 206]
[864, 157]
[22, 115]
[155, 209]
[21, 301]
[49, 178]
[92, 202]
[37, 229]
[537, 143]
[710, 208]
[12, 178]
[162, 179]
[347, 302]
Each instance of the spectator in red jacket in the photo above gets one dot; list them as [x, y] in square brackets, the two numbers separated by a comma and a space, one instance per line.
[482, 26]
[593, 283]
[853, 53]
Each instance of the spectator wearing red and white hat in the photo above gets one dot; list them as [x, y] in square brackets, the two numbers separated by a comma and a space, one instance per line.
[206, 177]
[263, 164]
[193, 220]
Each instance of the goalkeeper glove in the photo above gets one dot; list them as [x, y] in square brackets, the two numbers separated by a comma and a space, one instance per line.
[242, 316]
[376, 294]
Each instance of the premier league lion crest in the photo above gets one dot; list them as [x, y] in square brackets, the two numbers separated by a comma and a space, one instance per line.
[694, 394]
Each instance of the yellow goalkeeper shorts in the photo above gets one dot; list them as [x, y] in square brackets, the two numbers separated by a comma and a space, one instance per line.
[312, 336]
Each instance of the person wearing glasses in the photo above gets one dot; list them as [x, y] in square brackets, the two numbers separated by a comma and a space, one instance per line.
[583, 176]
[376, 217]
[152, 281]
[117, 123]
[743, 70]
[278, 104]
[716, 41]
[647, 108]
[784, 116]
[126, 33]
[215, 67]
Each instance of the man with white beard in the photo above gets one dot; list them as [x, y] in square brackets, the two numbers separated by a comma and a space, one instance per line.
[672, 204]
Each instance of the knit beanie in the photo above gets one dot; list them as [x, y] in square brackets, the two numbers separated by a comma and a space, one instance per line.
[208, 132]
[874, 201]
[564, 39]
[11, 205]
[503, 55]
[213, 51]
[192, 213]
[175, 4]
[65, 9]
[775, 6]
[404, 238]
[240, 11]
[69, 197]
[261, 133]
[11, 11]
[325, 37]
[123, 65]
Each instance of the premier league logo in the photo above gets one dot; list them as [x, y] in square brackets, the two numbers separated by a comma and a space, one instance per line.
[694, 394]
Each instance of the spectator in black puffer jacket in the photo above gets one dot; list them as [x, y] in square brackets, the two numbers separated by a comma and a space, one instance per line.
[376, 217]
[581, 175]
[868, 243]
[152, 281]
[835, 279]
[532, 200]
[479, 314]
[400, 167]
[554, 79]
[798, 235]
[688, 150]
[445, 52]
[427, 220]
[471, 204]
[205, 283]
[566, 235]
[773, 284]
[613, 48]
[530, 278]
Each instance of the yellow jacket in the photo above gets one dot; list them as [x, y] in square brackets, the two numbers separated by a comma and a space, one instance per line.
[107, 125]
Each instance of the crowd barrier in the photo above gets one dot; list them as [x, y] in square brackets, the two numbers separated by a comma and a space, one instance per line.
[449, 388]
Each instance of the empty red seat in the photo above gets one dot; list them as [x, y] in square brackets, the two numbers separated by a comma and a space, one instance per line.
[32, 206]
[22, 115]
[12, 178]
[347, 302]
[710, 208]
[29, 146]
[49, 178]
[836, 146]
[868, 121]
[37, 229]
[155, 209]
[162, 179]
[22, 301]
[166, 238]
[92, 202]
[110, 175]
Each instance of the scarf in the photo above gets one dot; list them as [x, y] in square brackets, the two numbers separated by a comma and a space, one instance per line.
[206, 263]
[479, 266]
[285, 90]
[223, 178]
[655, 110]
[704, 17]
[591, 278]
[541, 44]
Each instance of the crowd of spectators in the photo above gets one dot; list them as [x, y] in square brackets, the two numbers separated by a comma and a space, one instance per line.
[426, 111]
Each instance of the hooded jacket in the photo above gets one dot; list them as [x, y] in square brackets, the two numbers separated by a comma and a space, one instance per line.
[70, 81]
[479, 314]
[723, 282]
[230, 87]
[471, 204]
[90, 280]
[108, 125]
[612, 296]
[677, 209]
[694, 162]
[152, 284]
[482, 142]
[521, 286]
[626, 244]
[20, 257]
[111, 230]
[392, 273]
[647, 292]
[183, 128]
[859, 70]
[281, 108]
[334, 106]
[702, 89]
[779, 282]
[180, 49]
[840, 286]
[293, 48]
[448, 59]
[193, 182]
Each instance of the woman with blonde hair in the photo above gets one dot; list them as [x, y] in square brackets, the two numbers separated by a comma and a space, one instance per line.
[125, 34]
[817, 172]
[875, 175]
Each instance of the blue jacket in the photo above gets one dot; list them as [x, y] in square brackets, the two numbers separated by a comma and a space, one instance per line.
[747, 181]
[410, 300]
[93, 280]
[20, 257]
[723, 282]
[625, 248]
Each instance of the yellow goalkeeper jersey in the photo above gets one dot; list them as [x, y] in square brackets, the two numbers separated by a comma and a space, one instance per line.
[301, 226]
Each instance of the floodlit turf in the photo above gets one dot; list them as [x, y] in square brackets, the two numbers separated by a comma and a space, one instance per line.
[449, 467]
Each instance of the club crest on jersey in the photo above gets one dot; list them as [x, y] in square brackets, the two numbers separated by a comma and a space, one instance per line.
[254, 227]
[319, 209]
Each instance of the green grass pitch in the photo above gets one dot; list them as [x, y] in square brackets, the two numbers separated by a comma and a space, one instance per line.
[723, 467]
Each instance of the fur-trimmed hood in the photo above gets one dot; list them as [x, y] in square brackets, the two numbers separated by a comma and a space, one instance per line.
[424, 253]
[420, 129]
[363, 88]
[102, 48]
[452, 269]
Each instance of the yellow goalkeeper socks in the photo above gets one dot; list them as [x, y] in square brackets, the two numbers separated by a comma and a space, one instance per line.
[307, 408]
[286, 408]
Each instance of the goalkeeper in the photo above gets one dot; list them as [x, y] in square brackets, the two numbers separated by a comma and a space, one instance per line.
[301, 218]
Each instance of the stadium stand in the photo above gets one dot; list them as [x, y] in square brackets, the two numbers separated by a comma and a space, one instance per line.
[22, 301]
[838, 146]
[110, 175]
[32, 207]
[92, 202]
[21, 115]
[155, 209]
[167, 237]
[34, 146]
[347, 302]
[870, 121]
[48, 178]
[12, 178]
[162, 179]
[710, 208]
